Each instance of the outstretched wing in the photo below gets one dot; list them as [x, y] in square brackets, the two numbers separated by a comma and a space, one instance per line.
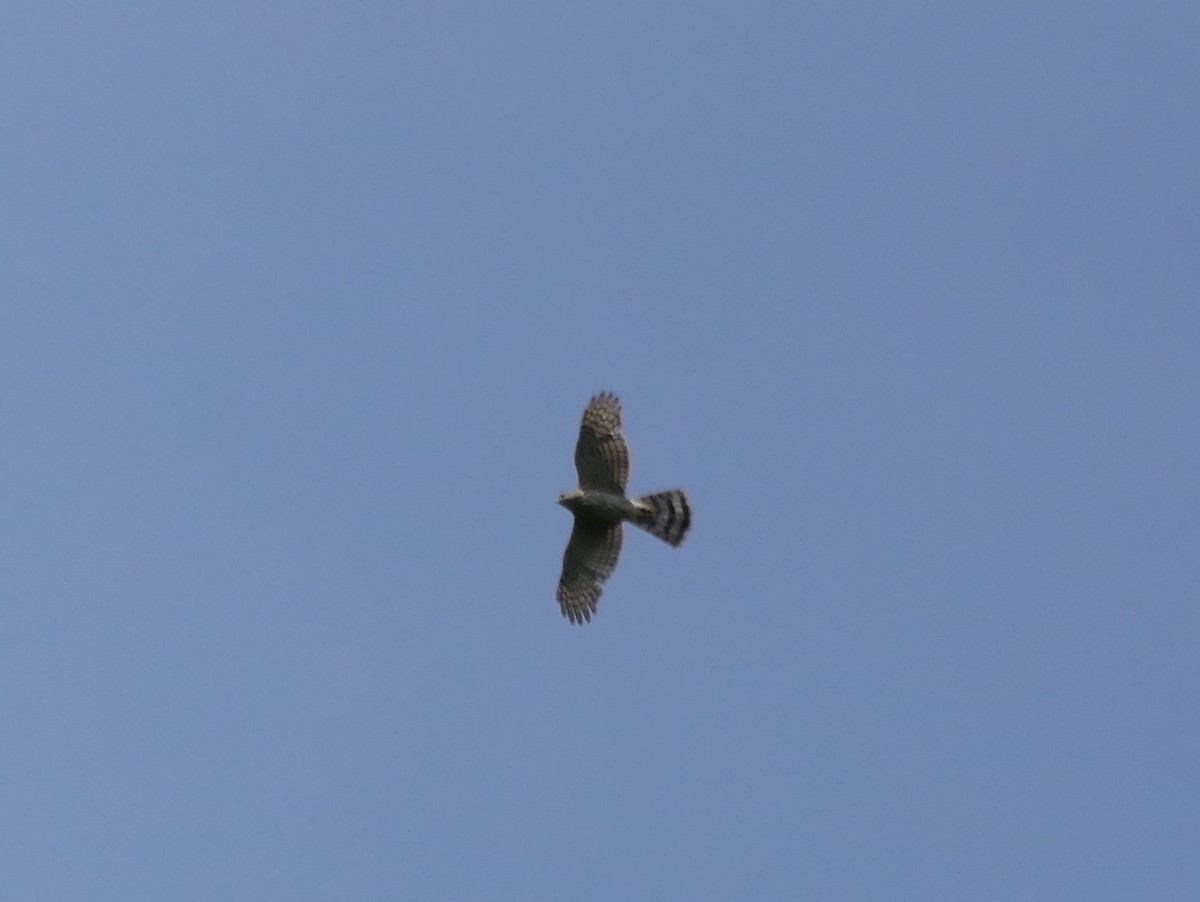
[601, 455]
[589, 560]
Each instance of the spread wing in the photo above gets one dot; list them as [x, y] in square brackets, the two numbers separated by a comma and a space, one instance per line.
[601, 455]
[589, 560]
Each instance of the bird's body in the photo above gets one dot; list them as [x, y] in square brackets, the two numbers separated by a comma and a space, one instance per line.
[600, 507]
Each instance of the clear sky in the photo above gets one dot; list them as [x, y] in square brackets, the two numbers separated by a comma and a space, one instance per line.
[299, 307]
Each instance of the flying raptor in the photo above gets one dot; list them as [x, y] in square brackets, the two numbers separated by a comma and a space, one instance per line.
[600, 507]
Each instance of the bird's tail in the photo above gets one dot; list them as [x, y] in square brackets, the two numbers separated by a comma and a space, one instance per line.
[664, 514]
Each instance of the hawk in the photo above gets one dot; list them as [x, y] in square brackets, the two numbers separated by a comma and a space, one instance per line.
[600, 507]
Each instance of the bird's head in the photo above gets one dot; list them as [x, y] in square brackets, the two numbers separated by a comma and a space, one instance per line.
[566, 498]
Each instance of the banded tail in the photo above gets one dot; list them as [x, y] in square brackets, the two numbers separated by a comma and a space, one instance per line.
[664, 514]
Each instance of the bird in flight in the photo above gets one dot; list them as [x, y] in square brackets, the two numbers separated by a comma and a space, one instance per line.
[600, 507]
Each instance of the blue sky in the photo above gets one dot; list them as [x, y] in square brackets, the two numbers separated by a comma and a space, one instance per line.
[302, 303]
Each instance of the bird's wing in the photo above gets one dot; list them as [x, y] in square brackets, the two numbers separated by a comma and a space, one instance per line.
[601, 455]
[589, 560]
